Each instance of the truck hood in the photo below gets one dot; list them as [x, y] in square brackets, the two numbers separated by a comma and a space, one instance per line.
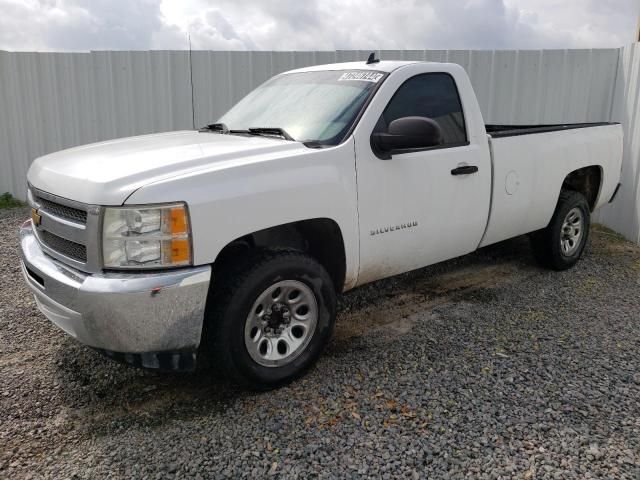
[106, 173]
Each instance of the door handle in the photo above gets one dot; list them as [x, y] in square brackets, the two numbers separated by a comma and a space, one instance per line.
[464, 170]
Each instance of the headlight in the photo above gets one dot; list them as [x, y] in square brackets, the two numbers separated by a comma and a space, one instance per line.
[146, 237]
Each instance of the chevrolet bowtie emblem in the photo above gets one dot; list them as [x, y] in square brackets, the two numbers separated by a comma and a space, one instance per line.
[36, 218]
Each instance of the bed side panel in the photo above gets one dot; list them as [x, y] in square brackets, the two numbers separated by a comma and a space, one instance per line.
[528, 171]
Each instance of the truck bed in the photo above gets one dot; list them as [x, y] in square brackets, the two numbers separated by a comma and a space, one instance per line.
[528, 171]
[498, 131]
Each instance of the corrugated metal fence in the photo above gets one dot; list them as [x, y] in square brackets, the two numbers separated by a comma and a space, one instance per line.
[50, 101]
[624, 214]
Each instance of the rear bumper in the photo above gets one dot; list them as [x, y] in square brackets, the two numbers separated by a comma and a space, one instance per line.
[150, 319]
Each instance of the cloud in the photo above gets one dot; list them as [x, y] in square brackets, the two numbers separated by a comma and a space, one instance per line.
[81, 24]
[67, 25]
[417, 24]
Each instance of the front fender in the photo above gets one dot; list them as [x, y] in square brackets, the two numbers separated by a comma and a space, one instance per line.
[228, 202]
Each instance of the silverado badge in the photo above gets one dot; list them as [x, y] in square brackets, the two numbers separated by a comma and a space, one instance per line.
[392, 228]
[36, 218]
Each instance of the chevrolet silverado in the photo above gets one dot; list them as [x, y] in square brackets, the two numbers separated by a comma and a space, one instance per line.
[237, 238]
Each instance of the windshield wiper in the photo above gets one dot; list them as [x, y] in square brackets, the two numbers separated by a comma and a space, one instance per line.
[316, 144]
[222, 129]
[272, 132]
[264, 131]
[215, 127]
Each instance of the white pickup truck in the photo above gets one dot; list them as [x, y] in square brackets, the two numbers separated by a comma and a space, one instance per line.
[239, 236]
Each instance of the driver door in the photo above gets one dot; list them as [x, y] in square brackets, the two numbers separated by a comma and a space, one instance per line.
[414, 209]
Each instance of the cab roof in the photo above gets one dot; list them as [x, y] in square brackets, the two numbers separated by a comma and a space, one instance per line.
[387, 66]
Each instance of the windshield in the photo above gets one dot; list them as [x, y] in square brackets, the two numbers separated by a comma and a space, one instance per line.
[310, 106]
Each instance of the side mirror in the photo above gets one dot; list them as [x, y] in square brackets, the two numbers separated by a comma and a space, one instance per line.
[406, 133]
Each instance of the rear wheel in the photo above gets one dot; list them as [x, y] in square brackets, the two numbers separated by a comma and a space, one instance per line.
[560, 245]
[271, 318]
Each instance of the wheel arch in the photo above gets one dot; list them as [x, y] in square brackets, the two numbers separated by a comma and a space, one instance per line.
[321, 238]
[587, 181]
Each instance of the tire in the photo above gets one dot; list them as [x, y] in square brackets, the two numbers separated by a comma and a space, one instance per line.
[251, 339]
[561, 244]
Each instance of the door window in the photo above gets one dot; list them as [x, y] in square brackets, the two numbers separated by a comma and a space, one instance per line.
[432, 95]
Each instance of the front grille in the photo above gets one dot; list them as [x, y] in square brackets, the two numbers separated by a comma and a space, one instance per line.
[64, 247]
[63, 211]
[69, 230]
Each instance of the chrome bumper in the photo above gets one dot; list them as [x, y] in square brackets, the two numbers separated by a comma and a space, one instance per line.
[132, 313]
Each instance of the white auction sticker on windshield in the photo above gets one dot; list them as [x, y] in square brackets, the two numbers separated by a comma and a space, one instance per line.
[361, 76]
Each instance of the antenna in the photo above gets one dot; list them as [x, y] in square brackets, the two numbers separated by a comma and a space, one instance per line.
[193, 103]
[372, 58]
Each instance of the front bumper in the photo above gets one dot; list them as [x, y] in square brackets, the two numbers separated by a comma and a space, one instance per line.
[150, 319]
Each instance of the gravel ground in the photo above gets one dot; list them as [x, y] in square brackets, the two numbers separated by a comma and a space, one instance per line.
[482, 367]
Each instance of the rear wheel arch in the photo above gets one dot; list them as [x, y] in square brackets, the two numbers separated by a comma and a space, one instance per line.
[587, 181]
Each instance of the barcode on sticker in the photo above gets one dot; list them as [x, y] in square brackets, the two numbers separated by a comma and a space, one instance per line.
[361, 76]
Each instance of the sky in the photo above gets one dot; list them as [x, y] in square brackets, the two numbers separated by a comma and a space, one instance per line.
[82, 25]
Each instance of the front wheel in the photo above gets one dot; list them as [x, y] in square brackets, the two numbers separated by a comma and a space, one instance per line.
[560, 245]
[271, 318]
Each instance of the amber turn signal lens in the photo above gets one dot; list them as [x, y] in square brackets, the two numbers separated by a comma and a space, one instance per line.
[180, 251]
[179, 221]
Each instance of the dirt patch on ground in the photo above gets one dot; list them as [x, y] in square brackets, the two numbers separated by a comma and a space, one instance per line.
[396, 308]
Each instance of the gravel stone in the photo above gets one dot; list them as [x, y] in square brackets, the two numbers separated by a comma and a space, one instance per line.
[482, 367]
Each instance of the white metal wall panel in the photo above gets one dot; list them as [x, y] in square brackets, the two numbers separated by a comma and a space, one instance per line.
[50, 101]
[624, 214]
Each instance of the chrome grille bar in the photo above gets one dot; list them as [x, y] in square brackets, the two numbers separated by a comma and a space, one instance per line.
[62, 211]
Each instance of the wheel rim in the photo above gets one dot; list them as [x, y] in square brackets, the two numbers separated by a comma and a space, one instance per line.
[572, 231]
[281, 323]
